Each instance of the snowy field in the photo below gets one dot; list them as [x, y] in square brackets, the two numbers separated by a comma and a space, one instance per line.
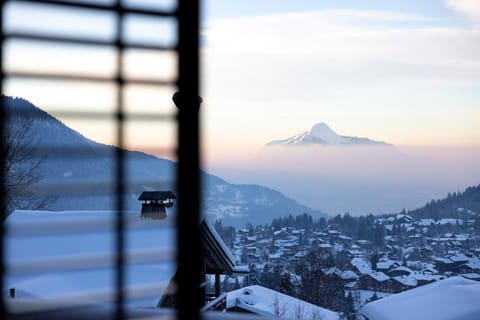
[70, 257]
[454, 298]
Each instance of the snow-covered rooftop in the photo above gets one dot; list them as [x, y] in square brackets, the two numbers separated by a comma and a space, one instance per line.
[386, 264]
[404, 269]
[426, 222]
[362, 265]
[266, 302]
[379, 276]
[454, 298]
[407, 280]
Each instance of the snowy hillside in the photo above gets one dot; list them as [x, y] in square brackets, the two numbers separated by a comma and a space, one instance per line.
[81, 174]
[455, 298]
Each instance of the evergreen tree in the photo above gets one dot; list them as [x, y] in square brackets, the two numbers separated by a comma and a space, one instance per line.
[225, 284]
[373, 297]
[253, 276]
[245, 281]
[266, 276]
[286, 285]
[272, 248]
[349, 308]
[374, 258]
[236, 285]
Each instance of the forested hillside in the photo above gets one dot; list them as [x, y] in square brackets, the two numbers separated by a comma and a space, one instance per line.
[455, 205]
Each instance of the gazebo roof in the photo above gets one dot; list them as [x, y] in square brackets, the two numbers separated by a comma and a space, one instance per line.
[157, 195]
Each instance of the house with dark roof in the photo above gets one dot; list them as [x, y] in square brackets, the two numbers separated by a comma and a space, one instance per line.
[376, 281]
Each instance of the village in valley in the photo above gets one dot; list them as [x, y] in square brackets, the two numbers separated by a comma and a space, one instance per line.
[345, 262]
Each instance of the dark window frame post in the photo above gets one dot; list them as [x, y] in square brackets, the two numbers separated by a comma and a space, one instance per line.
[189, 295]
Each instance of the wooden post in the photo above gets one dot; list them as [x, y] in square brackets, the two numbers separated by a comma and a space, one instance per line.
[217, 285]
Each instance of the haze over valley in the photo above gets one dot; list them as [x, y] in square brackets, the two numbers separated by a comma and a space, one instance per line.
[339, 173]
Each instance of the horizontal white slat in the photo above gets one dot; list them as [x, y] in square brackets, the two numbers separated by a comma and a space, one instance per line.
[92, 224]
[87, 261]
[84, 298]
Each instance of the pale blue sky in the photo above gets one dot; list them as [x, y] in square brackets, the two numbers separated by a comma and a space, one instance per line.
[214, 9]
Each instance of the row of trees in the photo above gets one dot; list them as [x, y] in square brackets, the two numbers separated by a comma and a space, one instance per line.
[361, 227]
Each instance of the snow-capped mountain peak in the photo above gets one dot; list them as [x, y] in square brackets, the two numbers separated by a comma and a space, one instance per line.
[322, 134]
[323, 131]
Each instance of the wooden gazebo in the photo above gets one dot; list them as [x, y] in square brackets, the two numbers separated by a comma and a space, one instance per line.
[155, 202]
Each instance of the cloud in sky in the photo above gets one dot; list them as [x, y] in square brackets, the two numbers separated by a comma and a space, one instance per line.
[351, 35]
[391, 76]
[469, 8]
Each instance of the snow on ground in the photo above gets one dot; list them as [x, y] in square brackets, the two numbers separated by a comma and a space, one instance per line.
[70, 255]
[454, 298]
[361, 296]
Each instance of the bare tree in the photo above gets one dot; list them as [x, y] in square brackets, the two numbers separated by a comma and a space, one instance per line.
[21, 158]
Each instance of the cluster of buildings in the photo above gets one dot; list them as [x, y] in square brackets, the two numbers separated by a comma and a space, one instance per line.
[414, 252]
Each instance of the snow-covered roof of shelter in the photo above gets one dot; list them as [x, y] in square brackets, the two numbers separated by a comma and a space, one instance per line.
[406, 280]
[426, 222]
[348, 274]
[325, 245]
[472, 276]
[459, 257]
[379, 276]
[402, 268]
[425, 276]
[474, 263]
[362, 265]
[450, 221]
[404, 216]
[267, 302]
[454, 298]
[386, 264]
[220, 255]
[71, 255]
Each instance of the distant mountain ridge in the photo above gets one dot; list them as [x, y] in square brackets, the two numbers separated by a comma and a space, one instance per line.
[322, 134]
[74, 164]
